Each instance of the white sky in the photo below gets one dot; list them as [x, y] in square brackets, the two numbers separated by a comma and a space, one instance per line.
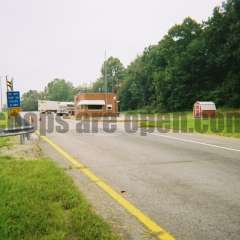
[45, 39]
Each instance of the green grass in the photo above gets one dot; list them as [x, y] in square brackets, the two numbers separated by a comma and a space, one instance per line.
[39, 201]
[5, 142]
[222, 125]
[3, 119]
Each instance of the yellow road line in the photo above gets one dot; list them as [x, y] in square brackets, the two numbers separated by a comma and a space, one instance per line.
[155, 229]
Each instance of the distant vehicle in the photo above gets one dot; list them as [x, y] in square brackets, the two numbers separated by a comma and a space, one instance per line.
[45, 106]
[65, 108]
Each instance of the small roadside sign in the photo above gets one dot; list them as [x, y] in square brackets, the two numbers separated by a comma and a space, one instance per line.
[14, 111]
[13, 99]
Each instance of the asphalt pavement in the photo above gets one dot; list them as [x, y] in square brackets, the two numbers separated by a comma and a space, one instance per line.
[188, 183]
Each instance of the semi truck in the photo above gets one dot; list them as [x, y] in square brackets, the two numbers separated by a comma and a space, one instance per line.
[65, 108]
[60, 108]
[45, 106]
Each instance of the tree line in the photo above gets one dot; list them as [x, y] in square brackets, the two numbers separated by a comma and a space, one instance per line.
[193, 61]
[56, 90]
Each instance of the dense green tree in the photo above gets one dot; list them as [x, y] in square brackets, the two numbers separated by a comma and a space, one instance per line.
[192, 62]
[222, 36]
[59, 90]
[99, 85]
[132, 87]
[30, 100]
[112, 74]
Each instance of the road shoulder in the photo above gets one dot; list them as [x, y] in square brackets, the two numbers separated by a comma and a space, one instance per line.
[123, 223]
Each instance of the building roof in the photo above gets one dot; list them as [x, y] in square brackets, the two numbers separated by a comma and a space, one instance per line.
[207, 105]
[91, 102]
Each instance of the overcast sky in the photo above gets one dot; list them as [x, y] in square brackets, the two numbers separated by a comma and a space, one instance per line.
[46, 39]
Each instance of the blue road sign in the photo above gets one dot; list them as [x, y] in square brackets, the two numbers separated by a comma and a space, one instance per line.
[13, 99]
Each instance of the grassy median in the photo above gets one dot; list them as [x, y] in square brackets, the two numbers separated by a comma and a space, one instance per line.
[3, 119]
[39, 201]
[226, 123]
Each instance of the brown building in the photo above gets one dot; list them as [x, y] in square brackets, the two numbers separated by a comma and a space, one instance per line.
[96, 104]
[204, 109]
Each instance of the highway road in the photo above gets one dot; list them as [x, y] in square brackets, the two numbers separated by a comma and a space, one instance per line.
[189, 184]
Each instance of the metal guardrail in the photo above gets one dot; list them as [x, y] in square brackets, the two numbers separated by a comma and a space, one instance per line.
[22, 128]
[16, 131]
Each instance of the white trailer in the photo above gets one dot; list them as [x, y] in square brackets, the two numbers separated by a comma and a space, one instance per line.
[65, 108]
[45, 106]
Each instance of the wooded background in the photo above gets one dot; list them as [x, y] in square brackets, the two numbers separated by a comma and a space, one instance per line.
[194, 61]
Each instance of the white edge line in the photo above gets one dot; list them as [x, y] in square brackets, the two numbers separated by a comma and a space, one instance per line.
[197, 142]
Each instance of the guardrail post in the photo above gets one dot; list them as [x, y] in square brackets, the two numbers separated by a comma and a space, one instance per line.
[22, 139]
[28, 136]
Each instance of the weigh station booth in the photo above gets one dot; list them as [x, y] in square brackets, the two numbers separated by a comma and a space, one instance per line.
[96, 105]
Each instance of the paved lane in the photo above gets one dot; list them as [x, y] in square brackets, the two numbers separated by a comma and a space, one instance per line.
[190, 189]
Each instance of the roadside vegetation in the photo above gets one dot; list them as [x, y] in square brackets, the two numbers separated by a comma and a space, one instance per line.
[3, 120]
[39, 201]
[226, 123]
[192, 62]
[4, 142]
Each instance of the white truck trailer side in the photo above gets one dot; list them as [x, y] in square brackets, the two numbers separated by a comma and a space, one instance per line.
[45, 106]
[65, 108]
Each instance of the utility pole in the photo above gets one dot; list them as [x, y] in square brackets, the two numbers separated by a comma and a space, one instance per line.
[114, 85]
[105, 79]
[105, 71]
[1, 93]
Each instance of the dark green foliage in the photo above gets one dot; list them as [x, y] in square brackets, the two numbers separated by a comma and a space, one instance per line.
[4, 142]
[192, 62]
[30, 100]
[59, 90]
[56, 90]
[112, 74]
